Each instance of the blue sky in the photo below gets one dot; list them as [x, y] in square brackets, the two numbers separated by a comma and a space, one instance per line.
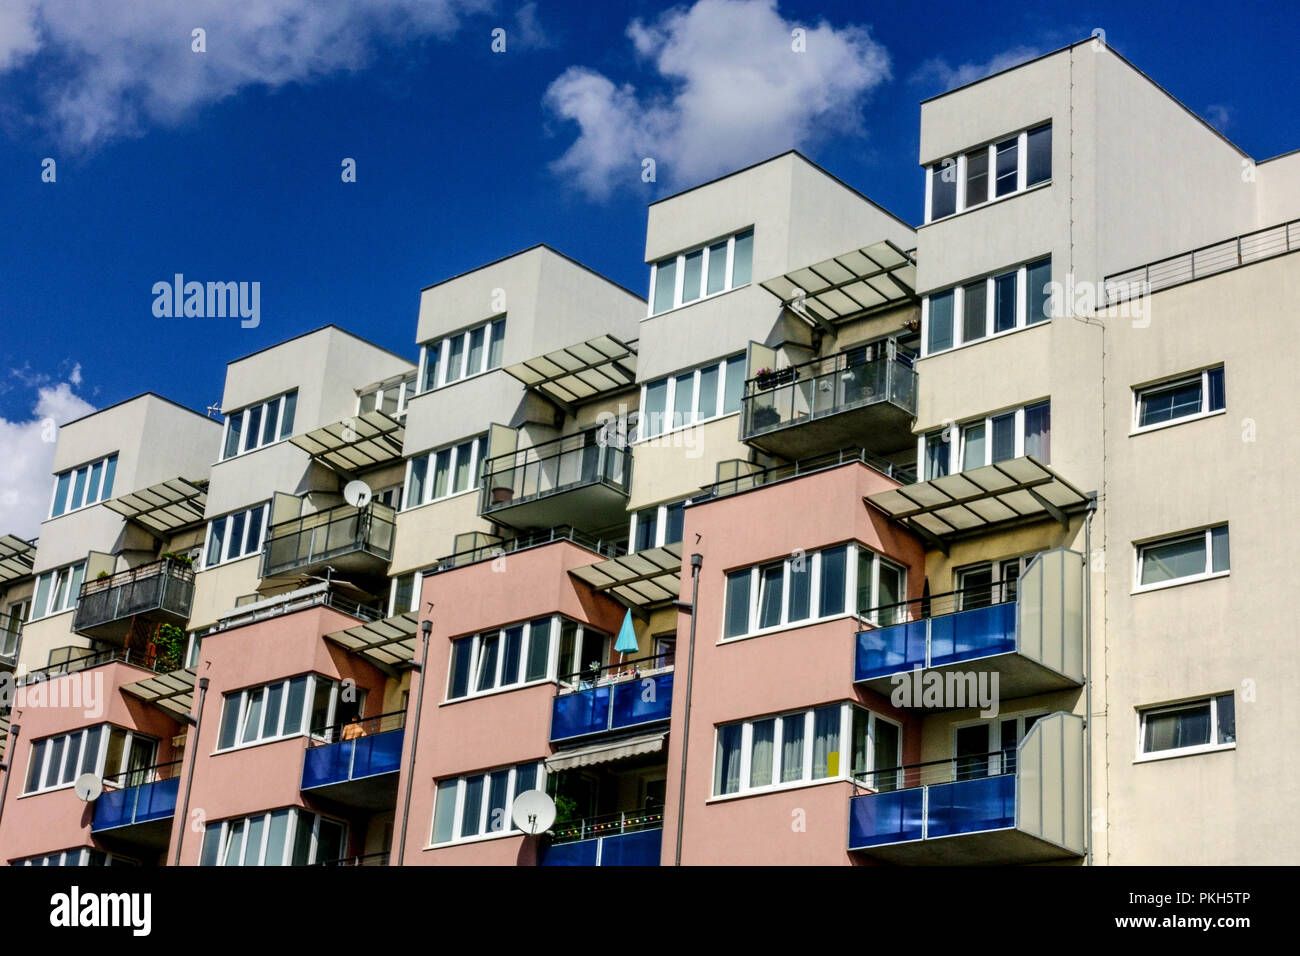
[225, 165]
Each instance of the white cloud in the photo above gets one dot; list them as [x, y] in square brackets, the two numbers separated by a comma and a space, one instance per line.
[940, 73]
[1218, 116]
[727, 89]
[27, 449]
[110, 69]
[528, 32]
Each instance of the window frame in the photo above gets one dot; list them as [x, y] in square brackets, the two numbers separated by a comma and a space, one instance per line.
[960, 160]
[405, 392]
[40, 749]
[443, 342]
[1203, 377]
[1141, 755]
[478, 454]
[223, 827]
[956, 440]
[105, 467]
[60, 583]
[1207, 533]
[458, 806]
[679, 272]
[1023, 297]
[661, 524]
[248, 436]
[245, 695]
[226, 541]
[557, 622]
[670, 412]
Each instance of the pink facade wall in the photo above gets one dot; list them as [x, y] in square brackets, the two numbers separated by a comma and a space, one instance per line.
[798, 668]
[498, 729]
[57, 820]
[265, 776]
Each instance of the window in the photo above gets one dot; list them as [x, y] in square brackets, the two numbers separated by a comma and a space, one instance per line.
[1190, 396]
[881, 589]
[444, 472]
[987, 748]
[1193, 727]
[463, 354]
[390, 399]
[1187, 557]
[988, 306]
[990, 582]
[110, 752]
[802, 747]
[657, 526]
[701, 272]
[79, 856]
[84, 486]
[998, 169]
[691, 397]
[57, 591]
[289, 837]
[517, 654]
[479, 805]
[985, 441]
[259, 425]
[236, 535]
[285, 708]
[801, 589]
[404, 593]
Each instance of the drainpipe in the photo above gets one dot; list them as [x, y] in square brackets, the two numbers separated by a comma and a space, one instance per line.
[9, 762]
[696, 561]
[195, 722]
[1087, 687]
[426, 627]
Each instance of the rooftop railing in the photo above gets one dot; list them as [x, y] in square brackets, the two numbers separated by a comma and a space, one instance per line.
[798, 469]
[563, 464]
[827, 386]
[328, 534]
[495, 548]
[260, 606]
[73, 665]
[1208, 260]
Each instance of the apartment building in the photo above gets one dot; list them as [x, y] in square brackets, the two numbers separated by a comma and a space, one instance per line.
[852, 543]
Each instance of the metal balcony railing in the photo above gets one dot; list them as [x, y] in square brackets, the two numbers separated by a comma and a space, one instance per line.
[748, 480]
[138, 796]
[354, 750]
[369, 859]
[564, 464]
[1217, 257]
[607, 824]
[779, 398]
[158, 663]
[325, 535]
[614, 697]
[492, 547]
[164, 586]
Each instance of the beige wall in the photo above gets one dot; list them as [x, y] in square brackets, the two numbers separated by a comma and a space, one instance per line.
[427, 533]
[679, 463]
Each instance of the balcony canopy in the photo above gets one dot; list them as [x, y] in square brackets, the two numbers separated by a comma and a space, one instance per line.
[848, 285]
[16, 556]
[607, 752]
[638, 580]
[387, 644]
[1015, 490]
[164, 508]
[171, 693]
[355, 444]
[580, 372]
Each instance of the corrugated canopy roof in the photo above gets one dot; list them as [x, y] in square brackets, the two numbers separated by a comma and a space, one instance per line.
[355, 444]
[164, 508]
[172, 693]
[848, 285]
[16, 556]
[580, 372]
[386, 643]
[637, 580]
[1006, 491]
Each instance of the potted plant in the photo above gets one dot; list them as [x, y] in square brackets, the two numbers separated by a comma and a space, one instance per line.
[766, 378]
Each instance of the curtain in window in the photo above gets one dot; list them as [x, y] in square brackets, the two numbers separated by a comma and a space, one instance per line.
[826, 742]
[761, 752]
[726, 765]
[792, 734]
[1038, 431]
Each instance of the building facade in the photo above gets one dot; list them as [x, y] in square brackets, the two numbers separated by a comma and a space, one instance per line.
[852, 542]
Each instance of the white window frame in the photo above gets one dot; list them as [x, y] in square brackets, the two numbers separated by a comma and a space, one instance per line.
[81, 735]
[417, 584]
[291, 837]
[814, 597]
[247, 440]
[458, 808]
[1140, 391]
[100, 494]
[443, 342]
[679, 272]
[477, 456]
[694, 415]
[807, 716]
[1145, 756]
[405, 391]
[956, 440]
[283, 732]
[1139, 557]
[994, 725]
[958, 291]
[661, 523]
[1022, 173]
[225, 557]
[877, 561]
[476, 649]
[60, 581]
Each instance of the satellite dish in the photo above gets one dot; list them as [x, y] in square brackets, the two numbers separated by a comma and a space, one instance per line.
[88, 787]
[357, 493]
[533, 812]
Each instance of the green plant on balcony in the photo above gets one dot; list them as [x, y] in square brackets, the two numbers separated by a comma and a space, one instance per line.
[168, 647]
[102, 575]
[184, 560]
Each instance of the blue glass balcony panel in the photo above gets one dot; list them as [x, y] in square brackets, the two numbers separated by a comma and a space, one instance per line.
[889, 650]
[971, 806]
[641, 848]
[580, 713]
[980, 632]
[628, 703]
[643, 701]
[354, 759]
[142, 804]
[579, 853]
[893, 817]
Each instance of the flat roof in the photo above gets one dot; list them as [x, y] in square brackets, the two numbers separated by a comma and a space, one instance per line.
[534, 246]
[322, 328]
[135, 398]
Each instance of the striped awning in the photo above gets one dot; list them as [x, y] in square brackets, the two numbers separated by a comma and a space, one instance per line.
[607, 752]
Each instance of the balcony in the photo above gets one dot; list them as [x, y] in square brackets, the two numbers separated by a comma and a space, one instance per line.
[579, 481]
[832, 403]
[1008, 807]
[619, 697]
[137, 807]
[1029, 633]
[9, 640]
[628, 838]
[156, 593]
[351, 540]
[369, 859]
[356, 764]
